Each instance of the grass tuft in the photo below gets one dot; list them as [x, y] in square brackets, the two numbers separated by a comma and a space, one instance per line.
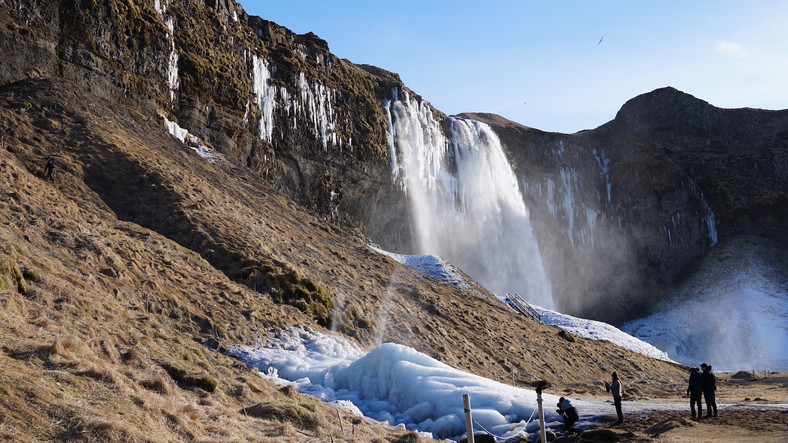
[304, 294]
[183, 378]
[300, 417]
[7, 266]
[61, 347]
[352, 322]
[156, 384]
[567, 336]
[31, 276]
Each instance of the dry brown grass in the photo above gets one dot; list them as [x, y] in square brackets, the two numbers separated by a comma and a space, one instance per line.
[146, 251]
[85, 347]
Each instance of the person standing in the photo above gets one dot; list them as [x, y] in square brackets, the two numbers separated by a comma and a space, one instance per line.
[568, 412]
[709, 384]
[49, 169]
[695, 390]
[615, 387]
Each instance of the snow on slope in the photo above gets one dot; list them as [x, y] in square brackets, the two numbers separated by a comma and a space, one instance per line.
[399, 385]
[192, 141]
[733, 313]
[431, 265]
[740, 329]
[595, 330]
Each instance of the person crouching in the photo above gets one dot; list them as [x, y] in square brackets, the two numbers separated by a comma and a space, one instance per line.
[568, 412]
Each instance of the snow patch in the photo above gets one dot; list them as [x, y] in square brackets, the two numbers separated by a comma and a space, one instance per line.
[192, 141]
[597, 330]
[160, 7]
[431, 265]
[398, 385]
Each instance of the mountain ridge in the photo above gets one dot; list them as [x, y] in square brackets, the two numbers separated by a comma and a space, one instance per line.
[663, 181]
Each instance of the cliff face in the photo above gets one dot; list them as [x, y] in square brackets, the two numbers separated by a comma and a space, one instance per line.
[623, 211]
[737, 157]
[278, 102]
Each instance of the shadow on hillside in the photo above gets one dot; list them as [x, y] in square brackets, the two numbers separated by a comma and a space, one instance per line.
[132, 191]
[152, 198]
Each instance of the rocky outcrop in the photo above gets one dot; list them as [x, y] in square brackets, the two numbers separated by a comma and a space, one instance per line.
[738, 157]
[622, 211]
[262, 95]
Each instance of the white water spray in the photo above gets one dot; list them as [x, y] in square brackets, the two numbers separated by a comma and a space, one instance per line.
[466, 201]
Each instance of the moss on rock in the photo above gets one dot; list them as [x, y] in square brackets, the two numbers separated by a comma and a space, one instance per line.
[304, 294]
[31, 276]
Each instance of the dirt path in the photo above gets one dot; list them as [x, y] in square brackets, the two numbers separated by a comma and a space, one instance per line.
[752, 407]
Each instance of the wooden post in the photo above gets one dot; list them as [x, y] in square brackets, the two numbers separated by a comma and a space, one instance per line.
[341, 426]
[466, 402]
[542, 430]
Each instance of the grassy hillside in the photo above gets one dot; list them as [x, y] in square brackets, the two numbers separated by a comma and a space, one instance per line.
[122, 280]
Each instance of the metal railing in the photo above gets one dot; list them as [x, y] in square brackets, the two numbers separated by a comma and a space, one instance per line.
[523, 306]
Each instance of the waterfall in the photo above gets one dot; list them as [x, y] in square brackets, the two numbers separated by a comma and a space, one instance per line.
[466, 202]
[711, 222]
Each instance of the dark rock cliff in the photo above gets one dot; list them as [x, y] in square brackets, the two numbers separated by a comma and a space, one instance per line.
[623, 211]
[262, 95]
[738, 157]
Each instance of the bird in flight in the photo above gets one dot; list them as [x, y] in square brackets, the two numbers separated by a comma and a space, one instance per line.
[600, 40]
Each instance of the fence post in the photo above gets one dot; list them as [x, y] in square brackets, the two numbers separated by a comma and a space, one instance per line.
[542, 430]
[341, 426]
[466, 402]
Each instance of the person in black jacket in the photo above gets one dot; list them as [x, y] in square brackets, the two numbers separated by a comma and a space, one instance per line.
[695, 390]
[615, 388]
[566, 410]
[49, 169]
[709, 384]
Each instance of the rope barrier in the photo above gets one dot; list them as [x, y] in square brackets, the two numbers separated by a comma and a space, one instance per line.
[498, 437]
[533, 411]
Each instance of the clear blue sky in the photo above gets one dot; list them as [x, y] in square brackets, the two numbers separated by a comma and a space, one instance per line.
[540, 63]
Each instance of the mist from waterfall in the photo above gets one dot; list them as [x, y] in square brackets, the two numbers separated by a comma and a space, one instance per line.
[465, 198]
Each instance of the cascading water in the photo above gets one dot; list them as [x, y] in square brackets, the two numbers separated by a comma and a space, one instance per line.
[466, 201]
